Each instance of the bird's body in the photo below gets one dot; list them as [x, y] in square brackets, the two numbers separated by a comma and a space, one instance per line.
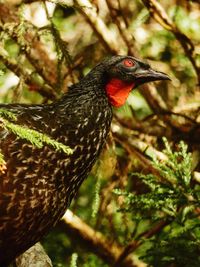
[43, 180]
[38, 183]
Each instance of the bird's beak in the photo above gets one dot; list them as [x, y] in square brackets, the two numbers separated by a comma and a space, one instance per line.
[149, 75]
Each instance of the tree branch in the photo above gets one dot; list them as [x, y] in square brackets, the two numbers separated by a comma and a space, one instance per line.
[95, 241]
[97, 24]
[159, 14]
[132, 246]
[30, 46]
[43, 89]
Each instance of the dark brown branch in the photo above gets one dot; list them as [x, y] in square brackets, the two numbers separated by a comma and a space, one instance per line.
[165, 123]
[31, 45]
[121, 25]
[143, 160]
[132, 246]
[145, 127]
[12, 65]
[103, 33]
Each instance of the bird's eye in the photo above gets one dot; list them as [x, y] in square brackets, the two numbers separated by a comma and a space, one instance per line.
[128, 63]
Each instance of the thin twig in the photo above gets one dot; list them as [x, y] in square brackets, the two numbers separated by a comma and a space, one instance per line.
[30, 42]
[122, 27]
[132, 246]
[98, 25]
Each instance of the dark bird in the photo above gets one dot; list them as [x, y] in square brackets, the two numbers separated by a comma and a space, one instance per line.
[38, 184]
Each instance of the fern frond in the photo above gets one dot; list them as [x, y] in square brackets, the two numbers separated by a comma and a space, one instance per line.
[34, 137]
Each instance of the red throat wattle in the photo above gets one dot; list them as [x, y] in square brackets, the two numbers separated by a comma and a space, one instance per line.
[118, 91]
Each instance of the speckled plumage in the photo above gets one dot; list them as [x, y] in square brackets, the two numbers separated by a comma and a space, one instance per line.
[38, 184]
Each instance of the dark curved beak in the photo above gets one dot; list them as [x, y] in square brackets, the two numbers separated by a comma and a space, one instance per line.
[149, 75]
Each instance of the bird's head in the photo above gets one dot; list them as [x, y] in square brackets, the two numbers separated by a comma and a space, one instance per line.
[124, 73]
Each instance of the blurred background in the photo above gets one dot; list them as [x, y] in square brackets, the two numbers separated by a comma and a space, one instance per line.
[46, 47]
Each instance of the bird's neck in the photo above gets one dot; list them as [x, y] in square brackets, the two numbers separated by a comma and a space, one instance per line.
[114, 90]
[118, 91]
[97, 87]
[90, 87]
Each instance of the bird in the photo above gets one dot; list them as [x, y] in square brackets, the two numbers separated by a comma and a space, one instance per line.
[38, 184]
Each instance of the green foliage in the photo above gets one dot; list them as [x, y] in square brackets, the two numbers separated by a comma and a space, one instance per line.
[171, 197]
[21, 28]
[1, 159]
[96, 202]
[57, 244]
[177, 243]
[93, 261]
[185, 21]
[7, 114]
[62, 250]
[74, 259]
[34, 137]
[177, 171]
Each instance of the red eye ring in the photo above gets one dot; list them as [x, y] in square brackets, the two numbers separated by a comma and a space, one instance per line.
[128, 62]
